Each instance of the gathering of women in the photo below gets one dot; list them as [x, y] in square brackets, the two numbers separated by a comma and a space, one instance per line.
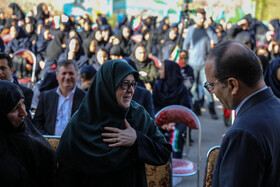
[100, 90]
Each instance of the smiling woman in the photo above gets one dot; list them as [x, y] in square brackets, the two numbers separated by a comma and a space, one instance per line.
[110, 138]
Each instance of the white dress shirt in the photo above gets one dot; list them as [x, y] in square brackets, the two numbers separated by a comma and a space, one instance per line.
[64, 110]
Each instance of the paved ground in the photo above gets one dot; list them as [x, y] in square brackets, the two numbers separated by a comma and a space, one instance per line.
[211, 135]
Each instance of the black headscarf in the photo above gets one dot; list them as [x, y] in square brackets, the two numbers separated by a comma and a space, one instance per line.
[171, 90]
[80, 57]
[81, 146]
[54, 50]
[40, 13]
[17, 11]
[26, 158]
[270, 76]
[126, 44]
[146, 69]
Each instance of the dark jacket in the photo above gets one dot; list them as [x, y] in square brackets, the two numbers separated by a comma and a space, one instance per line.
[45, 116]
[250, 150]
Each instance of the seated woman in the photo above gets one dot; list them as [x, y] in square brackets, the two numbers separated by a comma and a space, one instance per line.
[145, 65]
[169, 89]
[19, 41]
[74, 51]
[110, 138]
[101, 55]
[26, 158]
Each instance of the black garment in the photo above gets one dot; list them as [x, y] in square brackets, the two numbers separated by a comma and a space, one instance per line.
[20, 42]
[270, 76]
[40, 13]
[144, 98]
[26, 158]
[27, 92]
[88, 161]
[171, 90]
[80, 57]
[126, 44]
[46, 112]
[147, 69]
[17, 11]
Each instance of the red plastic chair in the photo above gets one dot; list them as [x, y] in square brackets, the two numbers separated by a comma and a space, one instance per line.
[182, 115]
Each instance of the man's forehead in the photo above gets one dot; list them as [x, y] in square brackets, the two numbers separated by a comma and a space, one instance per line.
[3, 62]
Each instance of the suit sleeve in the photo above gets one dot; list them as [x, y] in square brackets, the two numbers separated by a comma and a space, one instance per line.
[39, 118]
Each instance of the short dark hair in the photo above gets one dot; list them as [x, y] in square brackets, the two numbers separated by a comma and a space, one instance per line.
[7, 57]
[244, 65]
[200, 11]
[64, 63]
[184, 51]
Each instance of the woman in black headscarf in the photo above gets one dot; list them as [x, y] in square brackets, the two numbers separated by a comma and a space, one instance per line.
[101, 55]
[74, 51]
[110, 138]
[42, 12]
[17, 12]
[19, 41]
[26, 158]
[126, 43]
[90, 48]
[169, 89]
[272, 76]
[145, 65]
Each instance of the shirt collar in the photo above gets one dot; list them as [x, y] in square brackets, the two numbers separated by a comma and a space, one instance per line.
[248, 97]
[69, 95]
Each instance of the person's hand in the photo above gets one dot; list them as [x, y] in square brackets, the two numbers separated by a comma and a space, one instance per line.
[117, 137]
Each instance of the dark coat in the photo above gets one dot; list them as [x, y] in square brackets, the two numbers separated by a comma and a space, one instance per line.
[250, 150]
[45, 116]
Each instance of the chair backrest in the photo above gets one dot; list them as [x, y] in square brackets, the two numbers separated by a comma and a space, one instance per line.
[210, 165]
[177, 114]
[160, 176]
[182, 115]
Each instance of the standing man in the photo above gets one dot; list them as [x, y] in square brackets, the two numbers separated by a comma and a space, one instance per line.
[250, 150]
[6, 73]
[198, 44]
[56, 106]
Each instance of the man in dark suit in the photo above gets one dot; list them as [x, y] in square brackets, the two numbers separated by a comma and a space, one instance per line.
[250, 151]
[56, 106]
[6, 73]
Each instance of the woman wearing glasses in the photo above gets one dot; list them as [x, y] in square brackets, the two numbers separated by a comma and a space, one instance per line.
[110, 138]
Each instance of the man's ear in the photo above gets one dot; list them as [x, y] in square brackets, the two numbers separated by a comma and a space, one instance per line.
[233, 85]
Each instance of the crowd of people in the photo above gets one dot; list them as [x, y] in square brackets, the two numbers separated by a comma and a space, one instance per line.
[86, 73]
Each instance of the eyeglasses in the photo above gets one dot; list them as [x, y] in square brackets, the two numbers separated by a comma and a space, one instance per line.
[209, 86]
[126, 85]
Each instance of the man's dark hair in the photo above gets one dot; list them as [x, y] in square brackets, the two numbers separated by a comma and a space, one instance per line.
[7, 57]
[64, 63]
[244, 65]
[184, 51]
[201, 11]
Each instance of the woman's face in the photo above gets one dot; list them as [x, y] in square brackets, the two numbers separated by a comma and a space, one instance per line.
[125, 91]
[101, 56]
[161, 71]
[72, 34]
[47, 34]
[140, 54]
[92, 46]
[125, 32]
[98, 35]
[86, 26]
[74, 45]
[17, 115]
[13, 32]
[29, 28]
[172, 34]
